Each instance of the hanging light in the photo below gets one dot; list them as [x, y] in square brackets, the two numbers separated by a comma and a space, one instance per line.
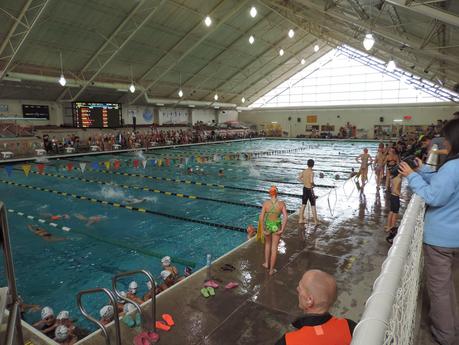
[368, 41]
[216, 96]
[303, 61]
[291, 33]
[391, 66]
[243, 99]
[281, 52]
[180, 92]
[132, 86]
[208, 21]
[251, 39]
[316, 48]
[62, 80]
[253, 12]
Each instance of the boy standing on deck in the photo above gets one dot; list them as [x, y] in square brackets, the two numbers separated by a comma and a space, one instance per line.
[365, 160]
[307, 177]
[395, 189]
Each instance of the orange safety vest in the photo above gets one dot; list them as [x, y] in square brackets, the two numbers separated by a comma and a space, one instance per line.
[333, 332]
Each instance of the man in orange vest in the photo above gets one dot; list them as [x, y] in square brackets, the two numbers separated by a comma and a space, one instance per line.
[316, 295]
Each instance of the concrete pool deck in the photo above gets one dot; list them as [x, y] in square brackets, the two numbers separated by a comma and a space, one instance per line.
[349, 243]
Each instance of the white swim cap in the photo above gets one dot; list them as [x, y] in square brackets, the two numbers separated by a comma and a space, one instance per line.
[165, 274]
[123, 294]
[149, 285]
[133, 286]
[46, 312]
[129, 307]
[64, 314]
[166, 261]
[61, 333]
[106, 312]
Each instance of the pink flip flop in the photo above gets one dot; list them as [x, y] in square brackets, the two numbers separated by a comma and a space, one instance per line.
[142, 339]
[231, 285]
[154, 337]
[211, 283]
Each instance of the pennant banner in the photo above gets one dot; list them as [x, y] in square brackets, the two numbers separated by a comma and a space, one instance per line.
[82, 166]
[41, 168]
[26, 168]
[69, 167]
[107, 165]
[144, 164]
[95, 165]
[116, 164]
[136, 163]
[9, 170]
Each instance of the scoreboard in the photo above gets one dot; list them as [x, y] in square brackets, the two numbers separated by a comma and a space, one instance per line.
[96, 115]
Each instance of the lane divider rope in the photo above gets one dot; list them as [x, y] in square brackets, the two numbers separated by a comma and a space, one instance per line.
[120, 205]
[103, 239]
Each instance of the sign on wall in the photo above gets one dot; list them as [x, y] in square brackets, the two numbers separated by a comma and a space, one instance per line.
[311, 119]
[173, 116]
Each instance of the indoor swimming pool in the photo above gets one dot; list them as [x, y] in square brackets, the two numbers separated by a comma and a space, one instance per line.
[119, 212]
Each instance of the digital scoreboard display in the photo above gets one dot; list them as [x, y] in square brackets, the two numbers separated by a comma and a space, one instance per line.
[96, 115]
[35, 111]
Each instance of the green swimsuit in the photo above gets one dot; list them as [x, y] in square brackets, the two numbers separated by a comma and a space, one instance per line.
[272, 225]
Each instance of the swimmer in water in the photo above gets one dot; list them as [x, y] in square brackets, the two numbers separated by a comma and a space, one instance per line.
[221, 173]
[133, 201]
[56, 216]
[44, 234]
[91, 220]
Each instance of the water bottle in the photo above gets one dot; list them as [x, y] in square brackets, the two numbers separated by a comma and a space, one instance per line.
[208, 260]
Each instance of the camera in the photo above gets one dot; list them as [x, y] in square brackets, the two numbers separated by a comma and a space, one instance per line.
[410, 160]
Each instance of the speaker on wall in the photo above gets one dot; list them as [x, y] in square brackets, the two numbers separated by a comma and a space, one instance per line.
[290, 118]
[299, 119]
[381, 119]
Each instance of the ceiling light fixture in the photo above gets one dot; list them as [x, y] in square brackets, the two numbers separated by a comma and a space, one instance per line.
[253, 12]
[180, 92]
[391, 66]
[216, 96]
[132, 86]
[243, 99]
[281, 52]
[208, 21]
[303, 61]
[62, 80]
[291, 33]
[251, 39]
[316, 48]
[368, 41]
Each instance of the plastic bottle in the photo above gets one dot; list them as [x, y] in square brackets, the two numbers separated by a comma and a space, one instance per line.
[208, 260]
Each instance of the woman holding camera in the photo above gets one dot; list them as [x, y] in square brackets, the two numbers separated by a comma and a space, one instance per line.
[440, 191]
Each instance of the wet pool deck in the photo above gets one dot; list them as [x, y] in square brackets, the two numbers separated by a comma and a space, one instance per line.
[349, 243]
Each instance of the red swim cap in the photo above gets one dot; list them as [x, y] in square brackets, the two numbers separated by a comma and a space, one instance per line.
[273, 191]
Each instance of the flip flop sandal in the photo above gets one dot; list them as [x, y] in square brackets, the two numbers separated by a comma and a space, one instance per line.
[204, 292]
[154, 337]
[162, 326]
[142, 339]
[211, 283]
[211, 291]
[168, 318]
[231, 285]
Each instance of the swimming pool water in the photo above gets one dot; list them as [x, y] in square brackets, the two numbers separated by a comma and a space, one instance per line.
[51, 273]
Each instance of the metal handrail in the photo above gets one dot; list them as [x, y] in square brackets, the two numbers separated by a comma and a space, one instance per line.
[153, 297]
[14, 318]
[112, 299]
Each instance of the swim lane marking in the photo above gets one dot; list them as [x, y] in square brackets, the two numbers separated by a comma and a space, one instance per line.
[147, 189]
[97, 238]
[119, 205]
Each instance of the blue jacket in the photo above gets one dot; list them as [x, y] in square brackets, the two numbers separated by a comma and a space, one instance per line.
[440, 191]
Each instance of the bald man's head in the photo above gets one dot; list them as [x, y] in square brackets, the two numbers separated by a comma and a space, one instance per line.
[316, 291]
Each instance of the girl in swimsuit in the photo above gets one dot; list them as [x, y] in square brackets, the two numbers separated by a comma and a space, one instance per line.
[273, 227]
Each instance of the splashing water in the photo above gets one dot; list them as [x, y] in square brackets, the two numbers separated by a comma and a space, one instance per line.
[110, 192]
[140, 155]
[253, 172]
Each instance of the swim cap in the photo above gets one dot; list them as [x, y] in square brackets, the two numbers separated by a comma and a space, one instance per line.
[123, 294]
[149, 285]
[106, 312]
[273, 191]
[64, 314]
[321, 175]
[133, 286]
[166, 261]
[165, 274]
[129, 307]
[46, 312]
[337, 177]
[61, 333]
[55, 217]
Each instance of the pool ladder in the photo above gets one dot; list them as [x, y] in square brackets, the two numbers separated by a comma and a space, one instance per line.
[115, 295]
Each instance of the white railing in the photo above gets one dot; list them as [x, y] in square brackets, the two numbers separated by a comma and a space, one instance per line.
[390, 311]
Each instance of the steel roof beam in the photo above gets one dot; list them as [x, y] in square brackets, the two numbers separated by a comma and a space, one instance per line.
[40, 7]
[189, 50]
[129, 20]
